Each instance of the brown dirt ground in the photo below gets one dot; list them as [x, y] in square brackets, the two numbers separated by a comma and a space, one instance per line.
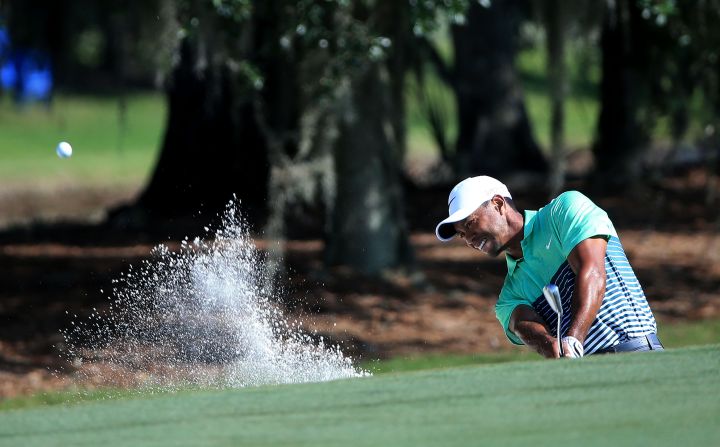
[444, 305]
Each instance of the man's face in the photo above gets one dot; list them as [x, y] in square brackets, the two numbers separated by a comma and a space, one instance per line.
[485, 229]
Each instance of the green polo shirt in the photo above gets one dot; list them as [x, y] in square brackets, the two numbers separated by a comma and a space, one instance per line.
[549, 235]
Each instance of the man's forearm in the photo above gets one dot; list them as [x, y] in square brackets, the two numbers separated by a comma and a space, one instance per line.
[587, 260]
[587, 299]
[536, 335]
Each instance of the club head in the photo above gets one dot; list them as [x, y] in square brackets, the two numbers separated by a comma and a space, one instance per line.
[552, 296]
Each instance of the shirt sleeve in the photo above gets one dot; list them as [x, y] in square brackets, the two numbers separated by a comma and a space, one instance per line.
[504, 308]
[576, 218]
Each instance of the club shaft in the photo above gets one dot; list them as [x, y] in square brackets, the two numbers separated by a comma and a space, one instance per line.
[558, 301]
[552, 296]
[558, 334]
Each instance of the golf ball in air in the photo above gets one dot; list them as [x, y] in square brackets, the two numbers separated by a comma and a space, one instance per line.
[63, 149]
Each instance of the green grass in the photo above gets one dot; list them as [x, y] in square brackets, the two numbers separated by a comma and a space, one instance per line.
[107, 150]
[437, 361]
[655, 399]
[691, 333]
[673, 335]
[66, 397]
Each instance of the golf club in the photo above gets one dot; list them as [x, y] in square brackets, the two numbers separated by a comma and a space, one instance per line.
[552, 296]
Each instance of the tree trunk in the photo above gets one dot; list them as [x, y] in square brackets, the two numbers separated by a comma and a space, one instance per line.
[494, 135]
[555, 23]
[618, 146]
[212, 148]
[368, 232]
[368, 229]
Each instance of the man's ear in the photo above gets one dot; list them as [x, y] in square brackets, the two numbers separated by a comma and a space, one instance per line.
[499, 203]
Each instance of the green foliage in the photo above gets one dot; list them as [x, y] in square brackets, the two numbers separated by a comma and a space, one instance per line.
[660, 9]
[90, 48]
[237, 10]
[680, 60]
[659, 399]
[429, 15]
[581, 105]
[426, 99]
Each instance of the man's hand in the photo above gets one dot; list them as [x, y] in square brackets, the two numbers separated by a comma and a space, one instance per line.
[572, 347]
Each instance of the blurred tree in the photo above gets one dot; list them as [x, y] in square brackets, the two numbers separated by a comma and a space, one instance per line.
[685, 79]
[368, 228]
[657, 56]
[271, 91]
[621, 135]
[555, 18]
[564, 24]
[213, 145]
[494, 135]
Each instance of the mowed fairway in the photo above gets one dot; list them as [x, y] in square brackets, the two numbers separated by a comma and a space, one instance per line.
[669, 398]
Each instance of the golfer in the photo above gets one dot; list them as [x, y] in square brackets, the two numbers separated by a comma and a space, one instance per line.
[571, 243]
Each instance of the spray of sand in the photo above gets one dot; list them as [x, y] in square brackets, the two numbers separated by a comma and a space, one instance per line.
[205, 315]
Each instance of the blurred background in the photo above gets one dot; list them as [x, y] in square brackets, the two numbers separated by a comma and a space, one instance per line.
[340, 126]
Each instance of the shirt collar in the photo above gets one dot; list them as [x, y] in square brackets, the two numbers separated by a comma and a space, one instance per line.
[529, 223]
[527, 230]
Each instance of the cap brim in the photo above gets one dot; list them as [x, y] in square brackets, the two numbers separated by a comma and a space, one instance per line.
[445, 230]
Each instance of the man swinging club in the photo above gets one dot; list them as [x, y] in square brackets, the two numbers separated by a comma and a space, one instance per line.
[569, 244]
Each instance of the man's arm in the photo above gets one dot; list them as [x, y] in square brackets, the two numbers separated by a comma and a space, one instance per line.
[587, 261]
[533, 331]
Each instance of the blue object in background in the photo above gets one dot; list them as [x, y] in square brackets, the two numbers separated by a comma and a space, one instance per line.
[25, 73]
[8, 74]
[4, 41]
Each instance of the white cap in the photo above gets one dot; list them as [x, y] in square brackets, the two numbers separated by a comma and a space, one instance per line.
[466, 197]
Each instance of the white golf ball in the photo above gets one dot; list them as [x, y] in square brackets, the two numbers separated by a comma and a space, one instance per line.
[64, 150]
